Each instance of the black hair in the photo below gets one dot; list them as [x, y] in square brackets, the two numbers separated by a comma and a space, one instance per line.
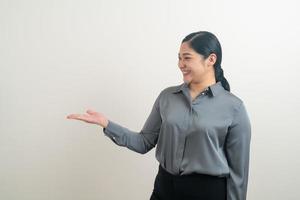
[205, 43]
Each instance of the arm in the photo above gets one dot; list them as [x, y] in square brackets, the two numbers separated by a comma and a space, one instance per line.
[237, 150]
[142, 141]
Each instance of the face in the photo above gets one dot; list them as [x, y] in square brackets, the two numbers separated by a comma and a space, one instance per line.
[193, 66]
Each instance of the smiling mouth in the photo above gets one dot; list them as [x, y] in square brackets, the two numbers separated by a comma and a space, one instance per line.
[185, 72]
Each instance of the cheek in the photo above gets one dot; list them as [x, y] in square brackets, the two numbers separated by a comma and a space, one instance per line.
[197, 72]
[199, 69]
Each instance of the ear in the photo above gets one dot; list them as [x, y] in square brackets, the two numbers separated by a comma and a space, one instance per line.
[211, 60]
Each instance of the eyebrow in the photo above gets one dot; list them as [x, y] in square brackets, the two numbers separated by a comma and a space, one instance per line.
[184, 54]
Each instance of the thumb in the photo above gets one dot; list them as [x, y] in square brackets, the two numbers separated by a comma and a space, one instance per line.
[89, 111]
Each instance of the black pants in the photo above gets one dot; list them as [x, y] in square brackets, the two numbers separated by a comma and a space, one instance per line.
[188, 187]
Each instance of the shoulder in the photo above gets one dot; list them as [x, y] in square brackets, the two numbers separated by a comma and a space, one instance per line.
[170, 89]
[166, 92]
[232, 97]
[233, 100]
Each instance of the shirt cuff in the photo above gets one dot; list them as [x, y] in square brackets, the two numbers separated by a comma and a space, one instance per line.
[113, 131]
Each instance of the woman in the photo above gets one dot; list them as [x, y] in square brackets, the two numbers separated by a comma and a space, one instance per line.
[201, 129]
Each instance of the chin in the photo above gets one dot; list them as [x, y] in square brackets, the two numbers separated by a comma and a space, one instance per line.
[186, 80]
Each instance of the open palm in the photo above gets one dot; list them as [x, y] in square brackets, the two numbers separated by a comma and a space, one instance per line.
[92, 117]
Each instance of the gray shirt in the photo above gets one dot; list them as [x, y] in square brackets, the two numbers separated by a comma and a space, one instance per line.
[209, 135]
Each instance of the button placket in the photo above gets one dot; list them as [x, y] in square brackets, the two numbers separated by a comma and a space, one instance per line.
[197, 99]
[182, 144]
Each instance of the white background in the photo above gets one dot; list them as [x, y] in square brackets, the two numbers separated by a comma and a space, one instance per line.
[60, 56]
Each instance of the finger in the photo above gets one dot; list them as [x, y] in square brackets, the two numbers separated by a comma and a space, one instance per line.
[89, 111]
[80, 117]
[74, 116]
[70, 116]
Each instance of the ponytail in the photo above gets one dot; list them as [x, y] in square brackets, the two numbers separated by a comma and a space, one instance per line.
[219, 75]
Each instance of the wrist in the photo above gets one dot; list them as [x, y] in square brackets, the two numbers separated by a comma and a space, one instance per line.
[105, 123]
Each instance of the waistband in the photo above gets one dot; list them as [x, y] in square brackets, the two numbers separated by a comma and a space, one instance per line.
[204, 176]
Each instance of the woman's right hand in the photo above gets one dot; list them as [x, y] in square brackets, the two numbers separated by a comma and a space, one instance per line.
[92, 117]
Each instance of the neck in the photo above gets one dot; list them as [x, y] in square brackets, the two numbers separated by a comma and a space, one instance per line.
[200, 86]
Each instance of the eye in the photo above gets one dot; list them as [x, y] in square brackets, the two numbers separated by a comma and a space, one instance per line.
[186, 58]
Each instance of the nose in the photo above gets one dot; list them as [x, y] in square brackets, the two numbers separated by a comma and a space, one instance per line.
[181, 64]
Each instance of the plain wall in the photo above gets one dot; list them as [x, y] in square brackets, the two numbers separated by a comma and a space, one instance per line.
[60, 57]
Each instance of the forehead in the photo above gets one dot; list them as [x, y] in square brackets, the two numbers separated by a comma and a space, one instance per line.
[185, 49]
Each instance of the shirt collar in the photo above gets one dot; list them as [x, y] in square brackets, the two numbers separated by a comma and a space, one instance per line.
[213, 89]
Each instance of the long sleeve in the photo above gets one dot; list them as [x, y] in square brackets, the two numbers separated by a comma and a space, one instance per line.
[140, 142]
[237, 150]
